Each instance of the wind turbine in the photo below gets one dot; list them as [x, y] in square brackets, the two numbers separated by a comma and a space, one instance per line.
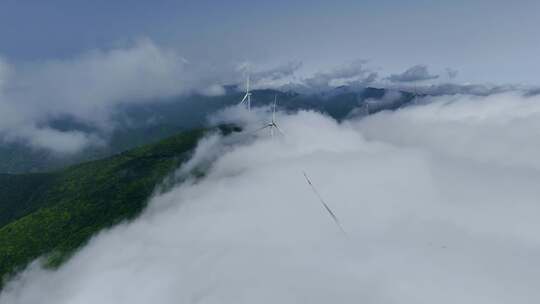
[247, 98]
[272, 124]
[415, 94]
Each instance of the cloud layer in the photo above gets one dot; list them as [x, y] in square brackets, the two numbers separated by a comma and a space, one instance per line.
[439, 202]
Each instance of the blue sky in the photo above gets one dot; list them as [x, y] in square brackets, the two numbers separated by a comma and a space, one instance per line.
[487, 41]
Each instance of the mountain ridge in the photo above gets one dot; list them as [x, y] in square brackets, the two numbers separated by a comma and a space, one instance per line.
[69, 206]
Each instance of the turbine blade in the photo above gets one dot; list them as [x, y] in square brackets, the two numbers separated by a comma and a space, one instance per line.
[330, 212]
[261, 128]
[244, 99]
[279, 129]
[274, 109]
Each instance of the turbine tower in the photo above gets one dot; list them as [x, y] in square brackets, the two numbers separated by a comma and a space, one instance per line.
[247, 98]
[415, 99]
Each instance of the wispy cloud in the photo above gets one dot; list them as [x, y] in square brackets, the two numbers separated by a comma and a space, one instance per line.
[355, 73]
[414, 73]
[88, 88]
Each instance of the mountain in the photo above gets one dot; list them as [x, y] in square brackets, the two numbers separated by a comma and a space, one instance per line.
[53, 214]
[144, 123]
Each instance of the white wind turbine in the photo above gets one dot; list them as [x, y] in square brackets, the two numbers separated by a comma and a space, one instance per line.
[247, 98]
[272, 125]
[415, 99]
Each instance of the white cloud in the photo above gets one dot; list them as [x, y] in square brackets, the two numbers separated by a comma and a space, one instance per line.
[354, 73]
[439, 202]
[372, 105]
[412, 74]
[266, 76]
[59, 142]
[468, 89]
[88, 88]
[496, 128]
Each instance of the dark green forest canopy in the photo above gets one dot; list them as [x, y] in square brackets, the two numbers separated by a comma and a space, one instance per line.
[53, 214]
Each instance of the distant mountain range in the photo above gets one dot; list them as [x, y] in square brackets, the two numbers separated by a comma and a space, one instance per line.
[152, 121]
